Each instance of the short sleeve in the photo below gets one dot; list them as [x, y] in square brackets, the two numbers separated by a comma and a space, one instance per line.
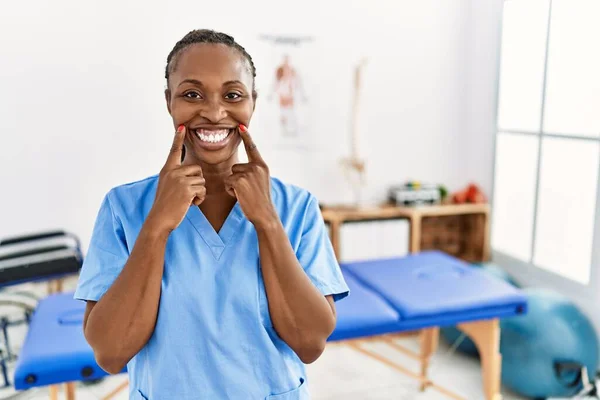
[315, 254]
[106, 255]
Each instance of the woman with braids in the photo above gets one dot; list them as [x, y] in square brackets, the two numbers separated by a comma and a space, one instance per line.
[211, 279]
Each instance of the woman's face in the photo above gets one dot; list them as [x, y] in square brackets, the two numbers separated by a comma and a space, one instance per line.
[210, 92]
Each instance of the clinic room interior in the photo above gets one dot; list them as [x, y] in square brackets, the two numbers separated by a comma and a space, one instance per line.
[301, 200]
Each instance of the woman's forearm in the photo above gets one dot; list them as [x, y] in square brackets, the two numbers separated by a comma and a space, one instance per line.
[301, 315]
[123, 320]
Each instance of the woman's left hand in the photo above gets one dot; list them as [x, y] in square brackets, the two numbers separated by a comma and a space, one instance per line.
[250, 183]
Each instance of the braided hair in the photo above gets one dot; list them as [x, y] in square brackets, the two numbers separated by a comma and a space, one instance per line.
[212, 37]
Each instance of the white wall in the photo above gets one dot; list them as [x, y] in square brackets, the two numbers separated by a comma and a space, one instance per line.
[82, 107]
[484, 39]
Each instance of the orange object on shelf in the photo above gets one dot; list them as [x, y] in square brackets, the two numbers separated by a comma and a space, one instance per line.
[471, 194]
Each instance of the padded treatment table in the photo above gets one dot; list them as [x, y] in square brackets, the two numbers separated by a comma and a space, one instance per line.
[424, 292]
[55, 350]
[420, 292]
[46, 256]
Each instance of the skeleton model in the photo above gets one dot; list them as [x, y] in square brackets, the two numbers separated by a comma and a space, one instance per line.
[354, 167]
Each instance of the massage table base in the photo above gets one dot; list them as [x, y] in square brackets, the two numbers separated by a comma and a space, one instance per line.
[70, 391]
[485, 334]
[55, 285]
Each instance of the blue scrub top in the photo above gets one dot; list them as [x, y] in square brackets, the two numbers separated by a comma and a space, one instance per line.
[214, 338]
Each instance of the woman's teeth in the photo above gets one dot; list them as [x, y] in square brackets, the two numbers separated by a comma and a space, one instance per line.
[212, 136]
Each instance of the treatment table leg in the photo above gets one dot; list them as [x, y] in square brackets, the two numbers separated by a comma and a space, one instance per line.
[53, 392]
[429, 344]
[70, 390]
[55, 286]
[486, 336]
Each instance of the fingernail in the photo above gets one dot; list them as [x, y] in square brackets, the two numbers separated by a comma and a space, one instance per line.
[180, 128]
[243, 128]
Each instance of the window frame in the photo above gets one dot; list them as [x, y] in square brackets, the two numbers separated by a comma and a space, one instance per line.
[527, 272]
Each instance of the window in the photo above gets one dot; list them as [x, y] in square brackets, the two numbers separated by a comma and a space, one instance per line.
[545, 198]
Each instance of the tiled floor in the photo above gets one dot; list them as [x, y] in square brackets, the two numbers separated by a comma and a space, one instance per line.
[340, 373]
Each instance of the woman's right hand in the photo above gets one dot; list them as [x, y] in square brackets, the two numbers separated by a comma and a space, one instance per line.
[179, 187]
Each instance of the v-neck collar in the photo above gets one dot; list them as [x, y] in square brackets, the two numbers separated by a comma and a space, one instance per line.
[216, 241]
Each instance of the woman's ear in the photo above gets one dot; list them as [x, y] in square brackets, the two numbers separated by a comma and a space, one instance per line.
[168, 99]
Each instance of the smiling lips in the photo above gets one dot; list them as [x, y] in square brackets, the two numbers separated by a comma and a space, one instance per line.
[212, 135]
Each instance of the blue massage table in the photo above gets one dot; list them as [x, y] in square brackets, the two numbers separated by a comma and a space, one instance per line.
[55, 350]
[46, 256]
[421, 292]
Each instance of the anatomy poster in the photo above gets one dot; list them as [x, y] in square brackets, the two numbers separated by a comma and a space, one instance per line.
[285, 88]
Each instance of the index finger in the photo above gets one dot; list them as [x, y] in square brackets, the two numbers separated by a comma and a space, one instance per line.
[250, 146]
[174, 158]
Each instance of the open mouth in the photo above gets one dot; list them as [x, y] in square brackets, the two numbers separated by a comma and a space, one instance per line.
[212, 138]
[213, 135]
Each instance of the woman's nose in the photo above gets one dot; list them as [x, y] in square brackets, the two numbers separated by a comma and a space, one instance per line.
[213, 111]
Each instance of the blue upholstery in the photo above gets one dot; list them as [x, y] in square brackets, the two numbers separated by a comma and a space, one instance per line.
[426, 290]
[55, 349]
[364, 313]
[386, 296]
[432, 284]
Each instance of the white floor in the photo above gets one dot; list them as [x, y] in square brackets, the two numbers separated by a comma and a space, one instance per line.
[340, 373]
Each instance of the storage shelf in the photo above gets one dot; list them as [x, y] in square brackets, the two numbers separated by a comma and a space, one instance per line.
[461, 230]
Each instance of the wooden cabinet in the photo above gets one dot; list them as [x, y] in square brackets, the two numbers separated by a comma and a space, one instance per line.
[461, 230]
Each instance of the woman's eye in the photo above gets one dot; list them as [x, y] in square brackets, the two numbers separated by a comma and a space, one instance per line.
[232, 96]
[192, 95]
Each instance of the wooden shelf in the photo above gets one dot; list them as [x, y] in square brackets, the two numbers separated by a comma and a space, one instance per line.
[459, 229]
[387, 211]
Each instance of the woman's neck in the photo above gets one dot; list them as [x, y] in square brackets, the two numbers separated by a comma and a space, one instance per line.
[215, 174]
